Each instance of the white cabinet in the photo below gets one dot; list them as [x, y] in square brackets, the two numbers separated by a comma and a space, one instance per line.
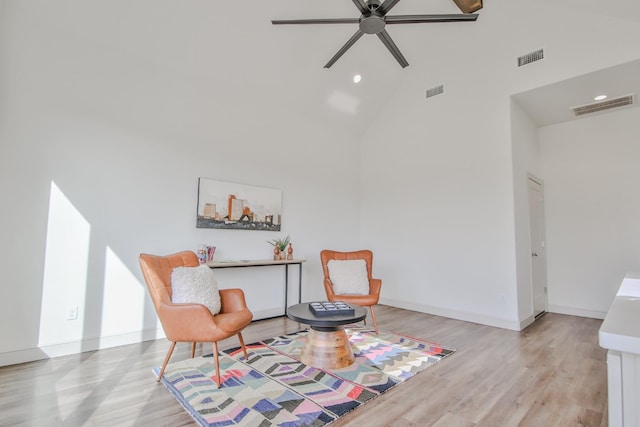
[614, 383]
[620, 334]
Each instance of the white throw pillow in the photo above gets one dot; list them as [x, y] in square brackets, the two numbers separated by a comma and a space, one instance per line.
[349, 276]
[195, 285]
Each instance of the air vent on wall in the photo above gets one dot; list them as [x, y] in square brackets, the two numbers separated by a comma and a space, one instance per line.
[530, 57]
[604, 105]
[437, 90]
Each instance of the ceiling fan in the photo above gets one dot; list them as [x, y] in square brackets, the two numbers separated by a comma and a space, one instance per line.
[374, 19]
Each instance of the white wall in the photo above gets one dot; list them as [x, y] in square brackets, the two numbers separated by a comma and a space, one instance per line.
[592, 170]
[526, 159]
[440, 188]
[110, 111]
[100, 154]
[437, 204]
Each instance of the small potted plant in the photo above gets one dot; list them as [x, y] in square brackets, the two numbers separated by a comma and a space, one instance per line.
[279, 247]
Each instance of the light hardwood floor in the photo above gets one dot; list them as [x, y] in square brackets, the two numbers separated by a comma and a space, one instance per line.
[551, 374]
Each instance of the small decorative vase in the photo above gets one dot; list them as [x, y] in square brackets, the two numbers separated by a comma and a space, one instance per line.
[276, 253]
[290, 252]
[283, 255]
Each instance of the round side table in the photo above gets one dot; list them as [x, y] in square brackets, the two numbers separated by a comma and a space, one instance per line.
[327, 345]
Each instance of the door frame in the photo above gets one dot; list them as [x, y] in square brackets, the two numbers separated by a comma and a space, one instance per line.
[541, 254]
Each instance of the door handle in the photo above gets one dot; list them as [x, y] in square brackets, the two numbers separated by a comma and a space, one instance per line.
[534, 254]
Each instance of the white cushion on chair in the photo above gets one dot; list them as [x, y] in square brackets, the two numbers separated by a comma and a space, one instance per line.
[349, 276]
[195, 285]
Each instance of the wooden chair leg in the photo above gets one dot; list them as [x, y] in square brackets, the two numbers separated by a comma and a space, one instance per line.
[373, 317]
[244, 348]
[217, 362]
[193, 350]
[166, 360]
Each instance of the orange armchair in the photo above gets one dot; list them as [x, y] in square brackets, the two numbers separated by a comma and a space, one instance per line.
[367, 300]
[192, 322]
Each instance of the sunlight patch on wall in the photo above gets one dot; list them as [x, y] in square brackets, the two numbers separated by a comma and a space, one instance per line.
[65, 272]
[123, 299]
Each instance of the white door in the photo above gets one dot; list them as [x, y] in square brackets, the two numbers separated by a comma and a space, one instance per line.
[538, 253]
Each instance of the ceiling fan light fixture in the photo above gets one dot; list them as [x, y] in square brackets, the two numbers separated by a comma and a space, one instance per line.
[468, 6]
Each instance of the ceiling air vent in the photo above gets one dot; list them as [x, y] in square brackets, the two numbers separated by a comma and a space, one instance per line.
[530, 57]
[435, 91]
[604, 105]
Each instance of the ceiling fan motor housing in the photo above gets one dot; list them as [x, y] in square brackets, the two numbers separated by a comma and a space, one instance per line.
[372, 24]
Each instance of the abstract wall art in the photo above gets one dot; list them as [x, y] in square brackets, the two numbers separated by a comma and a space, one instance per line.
[238, 206]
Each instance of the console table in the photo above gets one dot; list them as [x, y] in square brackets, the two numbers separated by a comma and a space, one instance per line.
[267, 263]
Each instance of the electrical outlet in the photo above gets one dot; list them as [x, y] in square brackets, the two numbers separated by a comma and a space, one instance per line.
[72, 312]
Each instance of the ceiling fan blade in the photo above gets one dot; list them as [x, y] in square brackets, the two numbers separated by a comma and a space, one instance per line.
[385, 7]
[316, 21]
[418, 19]
[362, 6]
[354, 38]
[468, 6]
[385, 38]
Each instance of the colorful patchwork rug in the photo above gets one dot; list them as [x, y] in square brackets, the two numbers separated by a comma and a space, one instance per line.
[273, 388]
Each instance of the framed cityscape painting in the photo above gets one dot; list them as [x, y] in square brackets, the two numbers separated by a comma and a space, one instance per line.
[238, 206]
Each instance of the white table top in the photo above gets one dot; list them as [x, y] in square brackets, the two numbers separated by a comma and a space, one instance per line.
[621, 327]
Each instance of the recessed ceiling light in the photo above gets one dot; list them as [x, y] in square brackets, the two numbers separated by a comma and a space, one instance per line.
[357, 78]
[600, 97]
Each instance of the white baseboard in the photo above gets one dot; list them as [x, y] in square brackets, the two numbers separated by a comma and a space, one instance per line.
[75, 347]
[454, 314]
[91, 344]
[573, 311]
[266, 314]
[22, 356]
[527, 321]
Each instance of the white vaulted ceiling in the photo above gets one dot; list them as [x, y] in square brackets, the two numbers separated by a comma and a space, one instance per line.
[230, 51]
[620, 9]
[552, 104]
